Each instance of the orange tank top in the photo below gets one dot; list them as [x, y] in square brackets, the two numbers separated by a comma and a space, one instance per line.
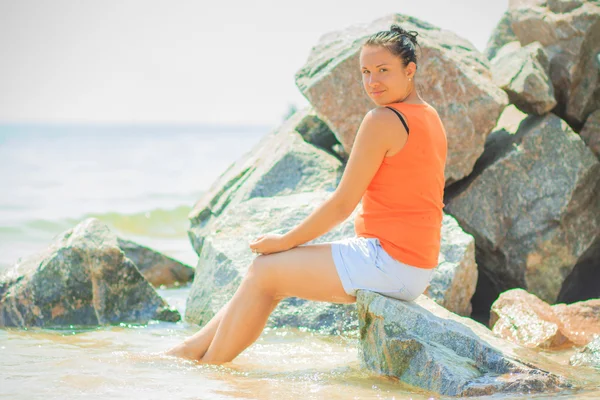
[403, 203]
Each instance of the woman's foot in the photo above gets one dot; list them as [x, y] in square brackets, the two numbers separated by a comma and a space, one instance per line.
[182, 350]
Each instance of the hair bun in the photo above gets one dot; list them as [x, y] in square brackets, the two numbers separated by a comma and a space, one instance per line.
[401, 31]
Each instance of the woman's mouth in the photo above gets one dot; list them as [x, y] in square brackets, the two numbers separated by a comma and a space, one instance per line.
[377, 93]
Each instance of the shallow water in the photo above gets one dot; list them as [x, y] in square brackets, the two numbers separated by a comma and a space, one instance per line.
[121, 362]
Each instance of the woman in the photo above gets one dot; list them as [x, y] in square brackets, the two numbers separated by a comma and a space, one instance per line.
[396, 166]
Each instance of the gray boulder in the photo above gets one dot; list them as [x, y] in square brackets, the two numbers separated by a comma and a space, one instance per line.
[591, 132]
[570, 33]
[82, 278]
[424, 345]
[532, 204]
[157, 268]
[316, 132]
[454, 280]
[523, 73]
[282, 163]
[501, 35]
[453, 77]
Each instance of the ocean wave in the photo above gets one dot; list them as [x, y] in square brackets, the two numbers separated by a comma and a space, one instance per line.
[158, 223]
[165, 223]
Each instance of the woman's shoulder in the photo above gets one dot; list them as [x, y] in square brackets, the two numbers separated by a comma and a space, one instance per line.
[382, 114]
[382, 122]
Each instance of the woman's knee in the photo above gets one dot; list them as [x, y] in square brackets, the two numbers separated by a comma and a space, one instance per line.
[262, 275]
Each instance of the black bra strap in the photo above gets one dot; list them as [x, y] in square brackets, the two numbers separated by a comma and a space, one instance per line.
[401, 119]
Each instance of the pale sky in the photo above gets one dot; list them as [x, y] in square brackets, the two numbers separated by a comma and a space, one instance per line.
[216, 62]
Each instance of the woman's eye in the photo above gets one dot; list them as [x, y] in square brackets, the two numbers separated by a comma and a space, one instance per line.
[382, 69]
[365, 71]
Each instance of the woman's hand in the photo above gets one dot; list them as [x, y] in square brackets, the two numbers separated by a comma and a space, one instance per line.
[269, 243]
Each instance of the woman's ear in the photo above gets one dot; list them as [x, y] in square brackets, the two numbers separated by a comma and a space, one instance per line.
[411, 69]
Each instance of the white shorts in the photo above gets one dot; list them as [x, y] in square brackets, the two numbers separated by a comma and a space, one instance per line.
[363, 264]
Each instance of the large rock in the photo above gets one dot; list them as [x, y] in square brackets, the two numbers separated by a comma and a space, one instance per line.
[570, 33]
[532, 204]
[157, 268]
[424, 345]
[523, 73]
[588, 356]
[582, 283]
[82, 278]
[591, 132]
[455, 278]
[452, 76]
[314, 131]
[282, 163]
[524, 319]
[501, 35]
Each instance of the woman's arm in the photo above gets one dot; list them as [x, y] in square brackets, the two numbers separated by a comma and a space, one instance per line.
[379, 130]
[326, 217]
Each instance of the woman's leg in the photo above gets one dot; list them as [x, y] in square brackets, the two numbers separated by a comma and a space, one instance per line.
[194, 347]
[306, 272]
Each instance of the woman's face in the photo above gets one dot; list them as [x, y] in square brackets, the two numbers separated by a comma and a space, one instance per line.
[384, 77]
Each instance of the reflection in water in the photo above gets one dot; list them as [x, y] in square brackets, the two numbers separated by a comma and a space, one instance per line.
[121, 362]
